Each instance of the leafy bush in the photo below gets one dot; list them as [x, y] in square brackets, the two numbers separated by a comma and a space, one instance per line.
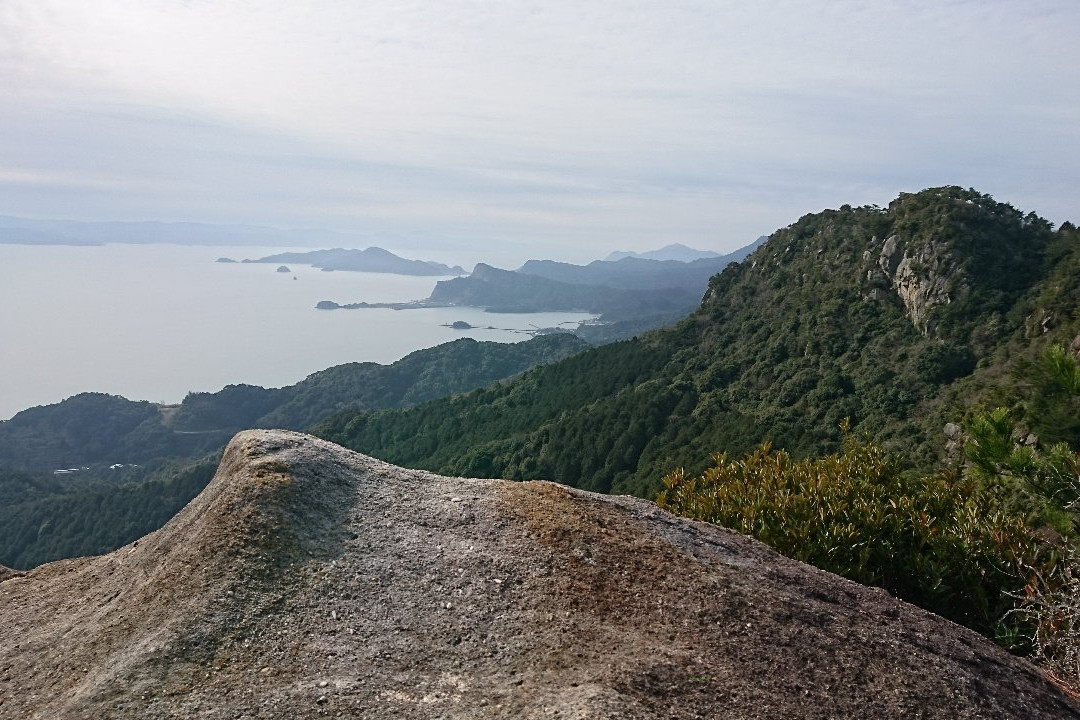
[937, 541]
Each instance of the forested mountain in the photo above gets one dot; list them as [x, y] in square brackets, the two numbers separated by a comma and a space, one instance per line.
[94, 428]
[897, 318]
[629, 289]
[508, 291]
[162, 450]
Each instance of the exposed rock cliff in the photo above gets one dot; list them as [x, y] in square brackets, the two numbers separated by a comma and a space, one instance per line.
[307, 580]
[923, 277]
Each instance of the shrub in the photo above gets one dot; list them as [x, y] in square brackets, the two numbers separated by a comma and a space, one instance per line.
[1053, 608]
[937, 541]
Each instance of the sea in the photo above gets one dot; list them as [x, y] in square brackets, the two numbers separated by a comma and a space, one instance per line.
[155, 322]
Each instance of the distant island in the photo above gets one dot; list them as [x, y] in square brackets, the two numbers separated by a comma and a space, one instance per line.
[411, 305]
[372, 259]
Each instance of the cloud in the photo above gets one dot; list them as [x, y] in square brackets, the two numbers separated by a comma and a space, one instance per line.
[583, 123]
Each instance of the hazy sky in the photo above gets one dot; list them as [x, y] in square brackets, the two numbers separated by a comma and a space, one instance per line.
[518, 129]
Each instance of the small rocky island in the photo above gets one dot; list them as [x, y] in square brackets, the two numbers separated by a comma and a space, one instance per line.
[283, 269]
[372, 259]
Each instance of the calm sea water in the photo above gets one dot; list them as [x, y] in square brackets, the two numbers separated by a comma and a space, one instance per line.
[155, 322]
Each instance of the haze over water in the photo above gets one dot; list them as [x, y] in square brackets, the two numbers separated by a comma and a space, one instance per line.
[154, 322]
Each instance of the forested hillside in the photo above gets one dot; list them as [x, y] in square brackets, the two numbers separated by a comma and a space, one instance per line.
[898, 318]
[94, 428]
[168, 454]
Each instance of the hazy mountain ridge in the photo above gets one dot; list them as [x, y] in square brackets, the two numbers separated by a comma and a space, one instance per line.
[678, 252]
[508, 291]
[274, 594]
[635, 273]
[809, 330]
[675, 251]
[630, 296]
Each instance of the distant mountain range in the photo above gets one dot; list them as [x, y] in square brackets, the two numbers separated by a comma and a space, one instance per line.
[372, 259]
[631, 295]
[678, 253]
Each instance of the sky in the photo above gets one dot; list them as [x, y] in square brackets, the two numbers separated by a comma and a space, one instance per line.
[502, 131]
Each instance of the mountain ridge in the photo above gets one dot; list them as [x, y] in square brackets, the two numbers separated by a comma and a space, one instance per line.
[99, 423]
[674, 251]
[501, 290]
[809, 330]
[632, 273]
[143, 462]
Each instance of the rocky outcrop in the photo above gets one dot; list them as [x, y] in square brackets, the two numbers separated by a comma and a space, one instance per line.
[7, 573]
[923, 277]
[310, 581]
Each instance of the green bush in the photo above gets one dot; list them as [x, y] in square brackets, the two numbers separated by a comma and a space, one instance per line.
[937, 541]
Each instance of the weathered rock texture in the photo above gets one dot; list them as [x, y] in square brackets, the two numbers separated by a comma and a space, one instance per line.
[922, 277]
[307, 580]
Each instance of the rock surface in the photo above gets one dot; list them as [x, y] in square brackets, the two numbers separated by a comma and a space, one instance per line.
[922, 277]
[309, 581]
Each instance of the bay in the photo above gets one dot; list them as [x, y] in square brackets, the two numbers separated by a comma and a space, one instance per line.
[154, 322]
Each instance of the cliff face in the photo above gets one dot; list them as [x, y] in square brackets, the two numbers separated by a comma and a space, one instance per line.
[923, 278]
[307, 580]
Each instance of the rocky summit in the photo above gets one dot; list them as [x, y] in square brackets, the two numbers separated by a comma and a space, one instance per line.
[309, 581]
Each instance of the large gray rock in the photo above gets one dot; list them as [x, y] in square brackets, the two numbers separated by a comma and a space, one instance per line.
[309, 580]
